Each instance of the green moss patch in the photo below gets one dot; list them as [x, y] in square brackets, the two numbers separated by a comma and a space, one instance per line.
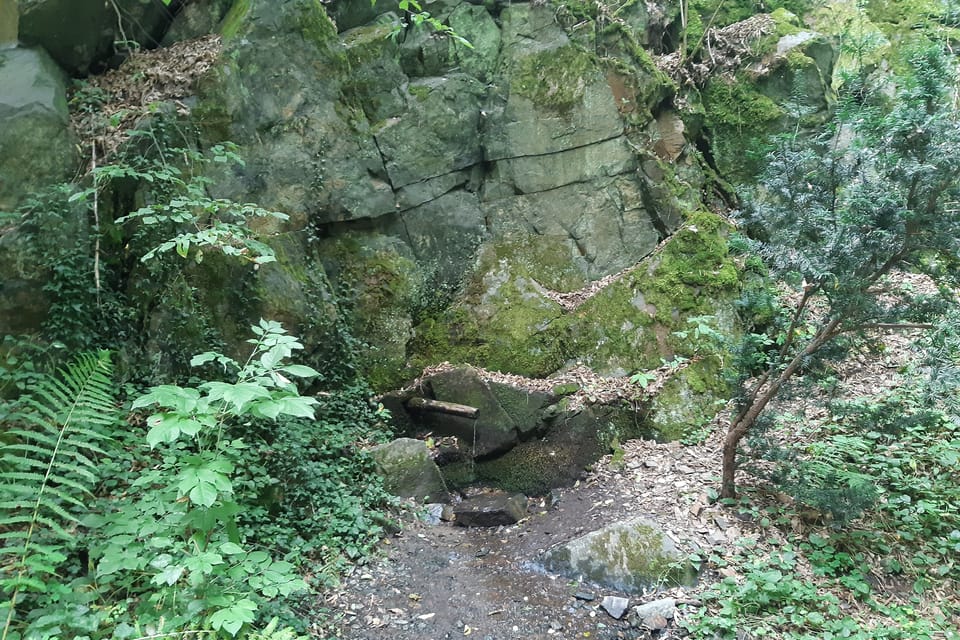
[739, 118]
[504, 322]
[629, 325]
[555, 78]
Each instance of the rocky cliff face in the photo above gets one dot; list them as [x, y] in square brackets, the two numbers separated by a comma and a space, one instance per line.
[526, 164]
[531, 201]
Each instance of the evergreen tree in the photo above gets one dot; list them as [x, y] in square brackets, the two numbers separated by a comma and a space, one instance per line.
[877, 193]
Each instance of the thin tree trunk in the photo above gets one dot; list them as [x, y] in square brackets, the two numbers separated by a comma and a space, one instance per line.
[742, 424]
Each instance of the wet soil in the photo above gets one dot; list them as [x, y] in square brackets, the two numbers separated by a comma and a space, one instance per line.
[445, 581]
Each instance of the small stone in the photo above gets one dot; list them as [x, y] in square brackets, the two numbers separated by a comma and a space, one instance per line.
[554, 499]
[615, 606]
[432, 513]
[491, 510]
[585, 595]
[654, 615]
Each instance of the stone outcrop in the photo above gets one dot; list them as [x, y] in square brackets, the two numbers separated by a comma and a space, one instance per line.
[449, 202]
[36, 144]
[408, 470]
[629, 556]
[788, 81]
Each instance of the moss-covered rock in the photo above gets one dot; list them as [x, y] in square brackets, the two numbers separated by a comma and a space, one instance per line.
[380, 284]
[82, 34]
[569, 443]
[789, 85]
[295, 97]
[408, 471]
[503, 323]
[629, 325]
[9, 23]
[597, 227]
[492, 431]
[36, 143]
[449, 109]
[444, 234]
[475, 23]
[630, 556]
[196, 19]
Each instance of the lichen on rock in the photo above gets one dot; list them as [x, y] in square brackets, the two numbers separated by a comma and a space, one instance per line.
[631, 556]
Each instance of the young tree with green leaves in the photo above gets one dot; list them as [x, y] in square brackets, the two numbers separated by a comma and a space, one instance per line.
[878, 193]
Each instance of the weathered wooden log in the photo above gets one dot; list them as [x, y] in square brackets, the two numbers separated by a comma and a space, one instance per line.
[437, 406]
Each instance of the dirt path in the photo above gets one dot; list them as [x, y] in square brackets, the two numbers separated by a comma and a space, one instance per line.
[445, 581]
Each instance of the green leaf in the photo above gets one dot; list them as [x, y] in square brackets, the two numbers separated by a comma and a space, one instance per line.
[298, 406]
[231, 549]
[236, 395]
[268, 409]
[300, 371]
[204, 494]
[169, 575]
[167, 427]
[169, 396]
[232, 618]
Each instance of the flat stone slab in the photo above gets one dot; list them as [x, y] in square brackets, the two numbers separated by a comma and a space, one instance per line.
[615, 606]
[654, 615]
[491, 510]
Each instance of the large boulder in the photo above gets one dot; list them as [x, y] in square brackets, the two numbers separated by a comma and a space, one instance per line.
[74, 32]
[508, 320]
[36, 144]
[629, 556]
[81, 34]
[567, 443]
[305, 126]
[197, 18]
[408, 470]
[492, 431]
[9, 23]
[490, 510]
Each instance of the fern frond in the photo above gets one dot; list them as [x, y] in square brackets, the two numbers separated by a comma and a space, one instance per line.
[59, 435]
[23, 476]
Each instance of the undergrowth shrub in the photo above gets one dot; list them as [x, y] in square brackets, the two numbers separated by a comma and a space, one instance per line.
[313, 494]
[204, 529]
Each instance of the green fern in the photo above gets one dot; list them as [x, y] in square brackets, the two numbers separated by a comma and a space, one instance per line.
[47, 467]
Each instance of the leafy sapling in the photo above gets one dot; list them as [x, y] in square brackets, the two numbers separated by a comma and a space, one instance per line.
[192, 546]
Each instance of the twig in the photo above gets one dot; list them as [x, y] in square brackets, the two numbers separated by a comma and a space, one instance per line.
[96, 221]
[893, 326]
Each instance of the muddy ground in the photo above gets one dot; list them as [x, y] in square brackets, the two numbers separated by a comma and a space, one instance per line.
[445, 581]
